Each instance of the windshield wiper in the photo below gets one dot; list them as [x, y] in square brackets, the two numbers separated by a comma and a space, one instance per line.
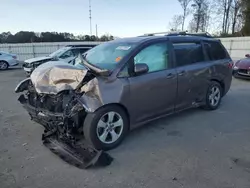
[103, 72]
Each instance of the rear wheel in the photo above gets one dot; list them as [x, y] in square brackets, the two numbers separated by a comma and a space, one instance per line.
[106, 128]
[3, 65]
[213, 96]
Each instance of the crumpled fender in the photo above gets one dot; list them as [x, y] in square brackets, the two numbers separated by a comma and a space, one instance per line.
[23, 85]
[100, 91]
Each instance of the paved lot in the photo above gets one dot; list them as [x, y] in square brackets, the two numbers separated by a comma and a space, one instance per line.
[195, 149]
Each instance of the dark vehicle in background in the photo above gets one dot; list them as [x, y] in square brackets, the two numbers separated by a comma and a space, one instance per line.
[241, 68]
[128, 82]
[65, 54]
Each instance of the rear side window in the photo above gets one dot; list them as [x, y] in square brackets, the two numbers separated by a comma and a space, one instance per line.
[83, 50]
[188, 53]
[215, 51]
[76, 51]
[67, 54]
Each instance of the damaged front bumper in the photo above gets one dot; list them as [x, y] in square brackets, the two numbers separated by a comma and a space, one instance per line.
[67, 146]
[41, 116]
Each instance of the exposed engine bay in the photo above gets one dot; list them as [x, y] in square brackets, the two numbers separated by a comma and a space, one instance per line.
[53, 98]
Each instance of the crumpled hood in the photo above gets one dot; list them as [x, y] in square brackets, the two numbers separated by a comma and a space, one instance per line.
[54, 77]
[32, 60]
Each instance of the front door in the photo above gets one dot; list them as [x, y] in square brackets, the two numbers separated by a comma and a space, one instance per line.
[153, 94]
[193, 74]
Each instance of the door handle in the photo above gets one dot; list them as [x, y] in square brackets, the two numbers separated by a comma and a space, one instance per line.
[170, 75]
[181, 73]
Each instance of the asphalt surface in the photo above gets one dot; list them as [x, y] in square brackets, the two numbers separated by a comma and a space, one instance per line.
[194, 149]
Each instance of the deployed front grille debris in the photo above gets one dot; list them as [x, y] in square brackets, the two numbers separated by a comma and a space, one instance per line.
[79, 154]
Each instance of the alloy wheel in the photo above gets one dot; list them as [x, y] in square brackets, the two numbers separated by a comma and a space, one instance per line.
[214, 96]
[110, 127]
[3, 65]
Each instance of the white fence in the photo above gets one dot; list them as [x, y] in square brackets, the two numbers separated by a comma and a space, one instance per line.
[29, 50]
[237, 47]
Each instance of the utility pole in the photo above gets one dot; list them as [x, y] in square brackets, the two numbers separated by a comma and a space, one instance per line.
[96, 32]
[90, 17]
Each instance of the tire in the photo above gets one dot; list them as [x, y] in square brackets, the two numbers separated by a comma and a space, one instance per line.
[96, 127]
[4, 65]
[210, 96]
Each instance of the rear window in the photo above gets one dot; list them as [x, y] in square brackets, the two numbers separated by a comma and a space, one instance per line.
[215, 51]
[188, 53]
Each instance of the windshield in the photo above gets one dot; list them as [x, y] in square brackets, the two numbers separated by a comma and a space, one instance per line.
[109, 54]
[59, 52]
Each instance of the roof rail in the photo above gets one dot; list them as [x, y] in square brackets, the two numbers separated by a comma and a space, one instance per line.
[178, 33]
[199, 34]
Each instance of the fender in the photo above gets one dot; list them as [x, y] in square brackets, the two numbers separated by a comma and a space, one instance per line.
[23, 85]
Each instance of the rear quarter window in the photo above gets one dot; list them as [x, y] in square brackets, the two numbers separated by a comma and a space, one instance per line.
[215, 51]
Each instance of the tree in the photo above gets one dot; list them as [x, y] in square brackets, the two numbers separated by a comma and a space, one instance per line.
[184, 5]
[236, 8]
[4, 36]
[176, 22]
[200, 15]
[227, 4]
[246, 17]
[29, 36]
[87, 38]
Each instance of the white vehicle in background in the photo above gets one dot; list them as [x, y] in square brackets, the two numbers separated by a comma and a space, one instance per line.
[7, 60]
[65, 54]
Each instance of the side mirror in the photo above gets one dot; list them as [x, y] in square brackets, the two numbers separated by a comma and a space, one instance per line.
[247, 55]
[141, 68]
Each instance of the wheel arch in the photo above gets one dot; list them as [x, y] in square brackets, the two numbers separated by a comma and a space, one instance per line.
[5, 62]
[119, 105]
[222, 84]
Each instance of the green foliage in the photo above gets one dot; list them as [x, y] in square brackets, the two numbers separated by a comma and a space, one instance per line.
[28, 37]
[246, 16]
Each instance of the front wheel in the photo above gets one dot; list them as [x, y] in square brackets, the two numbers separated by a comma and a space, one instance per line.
[213, 96]
[106, 128]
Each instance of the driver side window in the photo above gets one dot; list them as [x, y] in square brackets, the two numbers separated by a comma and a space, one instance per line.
[155, 56]
[67, 54]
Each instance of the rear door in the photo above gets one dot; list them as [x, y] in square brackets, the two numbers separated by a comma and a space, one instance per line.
[192, 72]
[153, 94]
[220, 62]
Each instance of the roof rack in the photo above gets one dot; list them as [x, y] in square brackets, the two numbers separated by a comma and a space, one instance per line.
[180, 33]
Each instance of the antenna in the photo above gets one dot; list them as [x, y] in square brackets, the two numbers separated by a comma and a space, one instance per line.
[90, 21]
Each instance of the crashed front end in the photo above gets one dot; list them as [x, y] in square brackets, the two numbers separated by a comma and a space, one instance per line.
[54, 96]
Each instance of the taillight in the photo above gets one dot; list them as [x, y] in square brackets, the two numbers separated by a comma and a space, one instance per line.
[230, 65]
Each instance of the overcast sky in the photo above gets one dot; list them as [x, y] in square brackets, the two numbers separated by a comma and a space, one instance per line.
[120, 18]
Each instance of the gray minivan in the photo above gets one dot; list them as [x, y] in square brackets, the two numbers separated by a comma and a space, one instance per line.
[128, 82]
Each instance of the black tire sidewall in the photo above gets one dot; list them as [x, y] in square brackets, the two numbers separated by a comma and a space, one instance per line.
[90, 126]
[208, 105]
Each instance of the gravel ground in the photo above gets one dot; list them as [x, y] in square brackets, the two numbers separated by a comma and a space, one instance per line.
[194, 149]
